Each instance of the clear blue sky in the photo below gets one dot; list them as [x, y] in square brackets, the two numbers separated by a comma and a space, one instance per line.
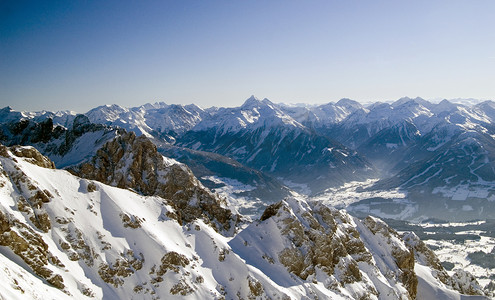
[76, 55]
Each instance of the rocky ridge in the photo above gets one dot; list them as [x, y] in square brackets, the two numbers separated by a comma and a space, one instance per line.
[134, 163]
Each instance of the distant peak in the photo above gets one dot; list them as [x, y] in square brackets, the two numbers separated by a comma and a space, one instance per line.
[348, 102]
[155, 105]
[6, 108]
[110, 107]
[266, 101]
[417, 100]
[251, 101]
[80, 121]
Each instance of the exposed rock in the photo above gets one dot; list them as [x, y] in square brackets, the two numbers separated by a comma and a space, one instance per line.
[30, 247]
[31, 202]
[404, 258]
[172, 261]
[131, 221]
[134, 163]
[322, 240]
[255, 287]
[181, 288]
[122, 267]
[33, 156]
[56, 141]
[270, 211]
[461, 281]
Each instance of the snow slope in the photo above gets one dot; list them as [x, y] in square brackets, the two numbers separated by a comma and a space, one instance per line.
[65, 237]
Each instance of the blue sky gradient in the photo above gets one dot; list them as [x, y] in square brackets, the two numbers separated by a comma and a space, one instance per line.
[76, 55]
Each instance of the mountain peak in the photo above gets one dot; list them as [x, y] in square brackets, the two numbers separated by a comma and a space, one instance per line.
[346, 102]
[155, 105]
[251, 101]
[417, 100]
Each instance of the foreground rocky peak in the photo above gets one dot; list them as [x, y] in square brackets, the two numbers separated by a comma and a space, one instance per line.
[103, 242]
[134, 163]
[359, 259]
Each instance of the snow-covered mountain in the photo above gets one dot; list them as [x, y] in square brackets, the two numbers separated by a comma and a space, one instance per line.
[308, 148]
[63, 146]
[62, 118]
[65, 237]
[158, 119]
[321, 115]
[261, 135]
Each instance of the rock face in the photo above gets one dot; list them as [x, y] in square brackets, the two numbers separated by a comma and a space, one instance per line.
[133, 162]
[461, 281]
[22, 239]
[33, 156]
[327, 245]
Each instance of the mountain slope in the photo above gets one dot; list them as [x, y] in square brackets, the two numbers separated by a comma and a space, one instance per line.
[76, 238]
[114, 242]
[388, 147]
[134, 162]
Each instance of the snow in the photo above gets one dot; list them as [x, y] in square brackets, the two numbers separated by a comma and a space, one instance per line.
[299, 187]
[83, 148]
[230, 189]
[99, 211]
[253, 114]
[147, 118]
[429, 288]
[18, 282]
[457, 253]
[461, 192]
[352, 192]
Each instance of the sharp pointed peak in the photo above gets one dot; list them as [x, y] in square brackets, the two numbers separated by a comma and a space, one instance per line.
[252, 101]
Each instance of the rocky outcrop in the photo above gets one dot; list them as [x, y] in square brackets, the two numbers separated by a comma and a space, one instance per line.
[133, 162]
[362, 259]
[315, 243]
[30, 154]
[325, 244]
[15, 234]
[33, 156]
[31, 248]
[30, 203]
[403, 257]
[461, 281]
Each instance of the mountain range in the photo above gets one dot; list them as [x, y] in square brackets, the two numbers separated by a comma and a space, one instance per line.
[164, 201]
[434, 152]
